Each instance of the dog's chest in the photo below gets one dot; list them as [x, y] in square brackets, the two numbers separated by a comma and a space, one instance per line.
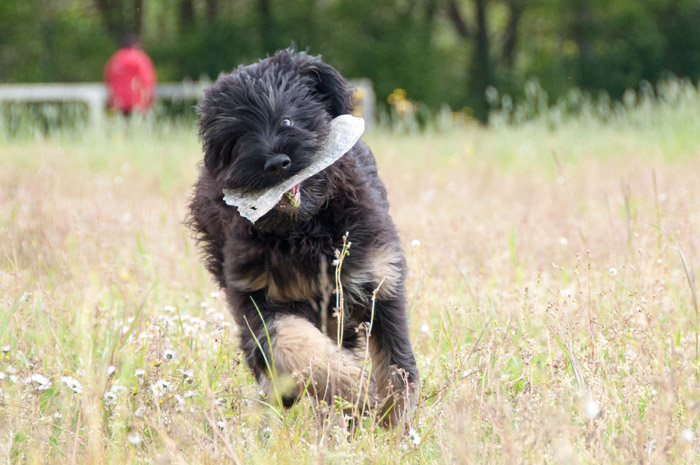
[291, 268]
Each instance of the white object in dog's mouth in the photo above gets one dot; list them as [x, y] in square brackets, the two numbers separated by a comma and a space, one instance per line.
[343, 132]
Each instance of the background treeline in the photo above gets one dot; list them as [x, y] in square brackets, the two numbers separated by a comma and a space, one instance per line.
[439, 51]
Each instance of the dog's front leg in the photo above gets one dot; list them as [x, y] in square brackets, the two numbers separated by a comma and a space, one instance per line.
[289, 356]
[393, 363]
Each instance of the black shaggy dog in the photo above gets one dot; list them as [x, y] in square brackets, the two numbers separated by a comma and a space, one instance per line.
[260, 125]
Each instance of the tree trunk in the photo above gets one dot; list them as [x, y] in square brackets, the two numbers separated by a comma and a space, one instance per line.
[115, 21]
[138, 16]
[266, 26]
[212, 9]
[186, 13]
[583, 21]
[511, 33]
[481, 72]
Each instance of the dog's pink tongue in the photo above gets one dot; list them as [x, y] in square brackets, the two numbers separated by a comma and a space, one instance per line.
[294, 195]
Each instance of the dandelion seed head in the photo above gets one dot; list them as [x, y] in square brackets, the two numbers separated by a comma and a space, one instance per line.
[612, 271]
[592, 408]
[415, 243]
[425, 329]
[688, 435]
[134, 438]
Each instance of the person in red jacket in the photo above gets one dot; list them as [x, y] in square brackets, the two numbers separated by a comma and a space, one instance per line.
[130, 78]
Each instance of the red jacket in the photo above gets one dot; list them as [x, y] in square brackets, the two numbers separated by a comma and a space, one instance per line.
[131, 80]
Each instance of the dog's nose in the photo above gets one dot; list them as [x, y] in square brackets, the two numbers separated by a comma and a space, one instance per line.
[278, 163]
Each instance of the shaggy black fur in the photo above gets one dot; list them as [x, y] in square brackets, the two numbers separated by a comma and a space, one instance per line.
[282, 105]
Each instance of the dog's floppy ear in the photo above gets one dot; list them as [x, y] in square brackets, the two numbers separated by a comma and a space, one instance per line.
[217, 143]
[331, 88]
[217, 129]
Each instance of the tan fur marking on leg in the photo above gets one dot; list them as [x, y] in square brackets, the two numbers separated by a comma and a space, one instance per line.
[391, 389]
[386, 265]
[301, 350]
[383, 271]
[382, 370]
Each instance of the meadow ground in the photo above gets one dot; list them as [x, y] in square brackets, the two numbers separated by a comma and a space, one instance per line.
[552, 301]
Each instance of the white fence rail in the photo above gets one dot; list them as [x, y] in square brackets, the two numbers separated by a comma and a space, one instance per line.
[95, 95]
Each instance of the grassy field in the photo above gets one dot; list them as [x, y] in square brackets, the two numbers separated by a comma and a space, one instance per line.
[552, 300]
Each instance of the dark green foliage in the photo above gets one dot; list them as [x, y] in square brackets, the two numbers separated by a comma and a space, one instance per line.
[439, 51]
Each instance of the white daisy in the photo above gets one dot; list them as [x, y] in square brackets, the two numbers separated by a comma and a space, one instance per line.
[73, 383]
[415, 437]
[41, 382]
[160, 386]
[110, 397]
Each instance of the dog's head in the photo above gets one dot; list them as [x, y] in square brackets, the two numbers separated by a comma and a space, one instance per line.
[262, 123]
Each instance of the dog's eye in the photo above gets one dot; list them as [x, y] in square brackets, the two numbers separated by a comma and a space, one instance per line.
[286, 122]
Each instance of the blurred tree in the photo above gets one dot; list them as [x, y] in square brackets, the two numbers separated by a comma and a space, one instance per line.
[186, 13]
[484, 61]
[212, 9]
[439, 51]
[121, 17]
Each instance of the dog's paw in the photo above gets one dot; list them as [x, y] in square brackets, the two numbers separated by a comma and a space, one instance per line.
[399, 404]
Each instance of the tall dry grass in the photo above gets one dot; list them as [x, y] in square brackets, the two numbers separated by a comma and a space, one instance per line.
[551, 312]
